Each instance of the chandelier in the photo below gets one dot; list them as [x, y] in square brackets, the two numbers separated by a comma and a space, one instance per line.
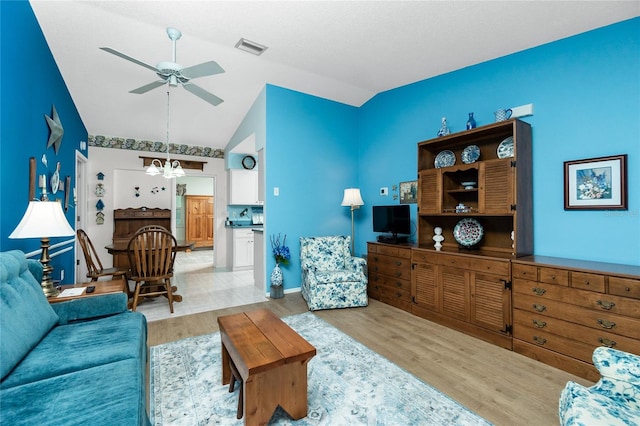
[171, 169]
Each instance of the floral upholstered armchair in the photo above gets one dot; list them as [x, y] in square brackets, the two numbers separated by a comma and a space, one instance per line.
[614, 400]
[331, 277]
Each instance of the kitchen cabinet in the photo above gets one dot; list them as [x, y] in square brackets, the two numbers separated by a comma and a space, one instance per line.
[243, 187]
[243, 245]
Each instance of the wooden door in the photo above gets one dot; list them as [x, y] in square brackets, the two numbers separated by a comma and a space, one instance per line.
[425, 286]
[199, 220]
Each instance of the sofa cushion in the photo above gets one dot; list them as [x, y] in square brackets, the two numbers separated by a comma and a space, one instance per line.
[25, 314]
[110, 394]
[82, 345]
[337, 277]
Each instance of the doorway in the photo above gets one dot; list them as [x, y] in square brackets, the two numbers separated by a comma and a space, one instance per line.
[202, 189]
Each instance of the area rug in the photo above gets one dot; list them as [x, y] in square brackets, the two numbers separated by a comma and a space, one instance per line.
[347, 384]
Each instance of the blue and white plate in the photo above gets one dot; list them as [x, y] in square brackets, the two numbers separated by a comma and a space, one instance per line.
[505, 149]
[445, 158]
[468, 232]
[470, 154]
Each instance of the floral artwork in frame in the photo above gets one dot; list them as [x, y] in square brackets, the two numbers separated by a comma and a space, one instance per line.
[409, 192]
[596, 183]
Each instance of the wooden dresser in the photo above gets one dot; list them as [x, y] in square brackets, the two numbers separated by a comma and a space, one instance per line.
[389, 273]
[126, 222]
[563, 309]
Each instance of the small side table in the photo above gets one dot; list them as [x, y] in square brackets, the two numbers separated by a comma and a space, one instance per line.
[102, 287]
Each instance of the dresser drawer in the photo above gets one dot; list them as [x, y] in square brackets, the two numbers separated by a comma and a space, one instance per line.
[496, 267]
[600, 320]
[624, 287]
[423, 256]
[528, 325]
[403, 271]
[455, 261]
[390, 282]
[528, 272]
[596, 301]
[554, 276]
[381, 259]
[395, 251]
[585, 281]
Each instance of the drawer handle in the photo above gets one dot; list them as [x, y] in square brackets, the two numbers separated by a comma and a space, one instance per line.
[399, 274]
[607, 342]
[606, 324]
[627, 289]
[538, 291]
[375, 268]
[398, 263]
[586, 282]
[606, 305]
[398, 284]
[539, 340]
[539, 308]
[553, 277]
[398, 294]
[539, 324]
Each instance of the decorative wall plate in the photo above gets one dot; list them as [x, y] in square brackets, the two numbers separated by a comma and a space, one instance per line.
[505, 149]
[470, 154]
[445, 158]
[468, 232]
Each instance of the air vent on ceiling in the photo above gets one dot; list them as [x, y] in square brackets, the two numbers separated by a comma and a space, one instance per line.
[251, 46]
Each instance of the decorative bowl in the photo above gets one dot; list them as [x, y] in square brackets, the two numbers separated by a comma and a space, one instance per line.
[469, 185]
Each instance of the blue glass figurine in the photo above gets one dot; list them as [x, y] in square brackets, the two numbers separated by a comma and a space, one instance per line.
[471, 122]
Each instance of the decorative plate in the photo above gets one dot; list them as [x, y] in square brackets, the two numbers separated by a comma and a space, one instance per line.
[505, 149]
[470, 154]
[468, 232]
[445, 158]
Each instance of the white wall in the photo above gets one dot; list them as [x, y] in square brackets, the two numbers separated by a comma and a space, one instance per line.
[123, 171]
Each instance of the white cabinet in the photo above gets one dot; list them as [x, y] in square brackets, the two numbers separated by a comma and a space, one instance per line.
[243, 187]
[242, 249]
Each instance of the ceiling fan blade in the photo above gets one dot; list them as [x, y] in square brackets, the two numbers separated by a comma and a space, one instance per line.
[147, 87]
[201, 70]
[128, 58]
[203, 94]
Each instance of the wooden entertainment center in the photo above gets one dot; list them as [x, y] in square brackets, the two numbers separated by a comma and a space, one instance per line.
[554, 310]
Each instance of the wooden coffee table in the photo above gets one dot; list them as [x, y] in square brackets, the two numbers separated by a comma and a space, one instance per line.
[102, 287]
[272, 360]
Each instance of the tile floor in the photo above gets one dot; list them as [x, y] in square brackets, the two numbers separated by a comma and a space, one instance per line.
[203, 288]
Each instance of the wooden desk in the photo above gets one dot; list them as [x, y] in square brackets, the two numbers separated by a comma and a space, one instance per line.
[272, 360]
[102, 287]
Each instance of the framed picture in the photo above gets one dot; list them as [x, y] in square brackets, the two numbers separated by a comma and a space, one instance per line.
[596, 183]
[409, 192]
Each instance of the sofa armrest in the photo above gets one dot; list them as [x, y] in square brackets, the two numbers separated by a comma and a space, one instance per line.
[617, 365]
[356, 263]
[90, 307]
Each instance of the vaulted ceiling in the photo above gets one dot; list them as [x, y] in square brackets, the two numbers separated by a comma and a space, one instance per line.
[347, 51]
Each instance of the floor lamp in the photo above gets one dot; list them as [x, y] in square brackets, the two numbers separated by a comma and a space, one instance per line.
[353, 199]
[44, 219]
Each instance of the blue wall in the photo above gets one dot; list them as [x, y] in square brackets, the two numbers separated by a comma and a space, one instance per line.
[311, 156]
[31, 83]
[586, 95]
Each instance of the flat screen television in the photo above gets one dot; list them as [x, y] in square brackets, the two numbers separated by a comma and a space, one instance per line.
[394, 220]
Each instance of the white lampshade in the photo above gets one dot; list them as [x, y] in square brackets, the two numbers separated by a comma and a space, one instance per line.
[43, 219]
[352, 197]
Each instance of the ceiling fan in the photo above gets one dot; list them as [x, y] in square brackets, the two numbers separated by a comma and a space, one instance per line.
[174, 74]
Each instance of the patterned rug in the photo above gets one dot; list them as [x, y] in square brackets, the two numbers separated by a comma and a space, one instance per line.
[347, 384]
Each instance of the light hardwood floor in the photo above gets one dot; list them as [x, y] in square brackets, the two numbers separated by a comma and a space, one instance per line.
[504, 387]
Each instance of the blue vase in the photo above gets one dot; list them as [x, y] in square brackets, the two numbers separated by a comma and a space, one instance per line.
[471, 122]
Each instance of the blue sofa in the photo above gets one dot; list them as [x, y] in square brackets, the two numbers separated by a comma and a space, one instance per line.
[81, 362]
[614, 400]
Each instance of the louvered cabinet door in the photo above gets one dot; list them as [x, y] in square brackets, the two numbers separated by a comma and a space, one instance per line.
[496, 187]
[425, 286]
[429, 194]
[490, 302]
[454, 295]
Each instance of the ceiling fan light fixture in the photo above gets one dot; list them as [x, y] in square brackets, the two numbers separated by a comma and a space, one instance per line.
[251, 46]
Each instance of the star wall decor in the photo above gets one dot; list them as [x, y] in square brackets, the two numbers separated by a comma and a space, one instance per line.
[55, 126]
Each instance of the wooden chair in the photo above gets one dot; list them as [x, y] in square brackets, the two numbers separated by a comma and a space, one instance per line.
[151, 257]
[95, 269]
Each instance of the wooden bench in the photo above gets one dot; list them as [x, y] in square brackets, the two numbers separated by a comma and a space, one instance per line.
[272, 360]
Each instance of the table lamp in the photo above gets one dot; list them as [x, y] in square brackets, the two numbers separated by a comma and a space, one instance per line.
[44, 219]
[353, 199]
